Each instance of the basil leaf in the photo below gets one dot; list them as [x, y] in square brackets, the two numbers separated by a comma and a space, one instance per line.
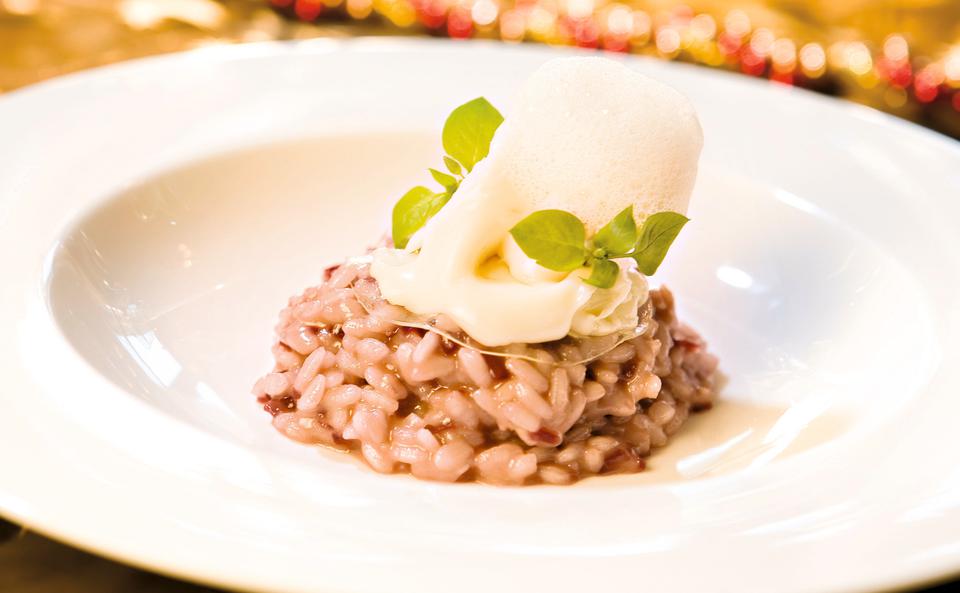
[554, 238]
[449, 182]
[619, 235]
[656, 235]
[452, 165]
[603, 273]
[414, 209]
[468, 131]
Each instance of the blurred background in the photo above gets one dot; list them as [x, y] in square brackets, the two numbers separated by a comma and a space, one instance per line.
[900, 56]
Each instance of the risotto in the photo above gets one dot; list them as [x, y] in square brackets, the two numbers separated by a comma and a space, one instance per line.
[505, 331]
[411, 400]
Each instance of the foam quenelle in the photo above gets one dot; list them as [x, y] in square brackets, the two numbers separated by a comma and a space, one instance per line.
[592, 137]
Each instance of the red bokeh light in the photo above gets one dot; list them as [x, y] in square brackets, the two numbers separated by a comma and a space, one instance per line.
[897, 72]
[782, 77]
[585, 33]
[751, 63]
[729, 44]
[459, 23]
[431, 13]
[308, 10]
[618, 43]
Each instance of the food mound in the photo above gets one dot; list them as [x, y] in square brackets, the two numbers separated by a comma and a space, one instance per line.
[407, 399]
[506, 331]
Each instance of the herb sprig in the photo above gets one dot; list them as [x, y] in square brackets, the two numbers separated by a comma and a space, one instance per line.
[556, 239]
[467, 134]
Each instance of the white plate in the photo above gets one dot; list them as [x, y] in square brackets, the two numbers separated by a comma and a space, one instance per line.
[154, 216]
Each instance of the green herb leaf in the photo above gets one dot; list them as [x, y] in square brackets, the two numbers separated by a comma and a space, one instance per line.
[449, 182]
[452, 165]
[619, 235]
[414, 209]
[603, 273]
[656, 235]
[468, 131]
[554, 238]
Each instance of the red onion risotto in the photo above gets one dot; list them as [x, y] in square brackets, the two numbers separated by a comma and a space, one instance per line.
[407, 399]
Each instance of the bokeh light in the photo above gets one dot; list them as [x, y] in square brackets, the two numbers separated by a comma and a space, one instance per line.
[813, 60]
[668, 41]
[737, 23]
[484, 12]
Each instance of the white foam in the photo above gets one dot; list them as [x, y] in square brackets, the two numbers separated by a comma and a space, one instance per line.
[591, 136]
